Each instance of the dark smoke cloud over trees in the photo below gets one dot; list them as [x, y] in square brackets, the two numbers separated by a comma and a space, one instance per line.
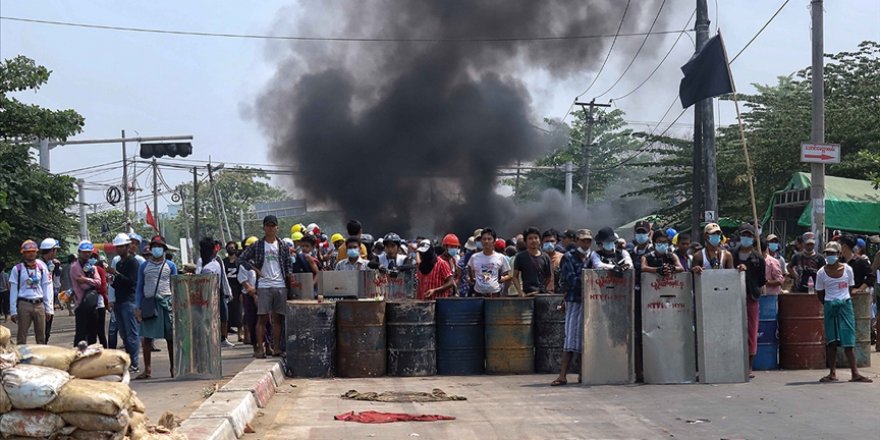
[406, 136]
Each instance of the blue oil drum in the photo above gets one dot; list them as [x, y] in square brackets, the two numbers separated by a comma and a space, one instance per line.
[460, 347]
[767, 357]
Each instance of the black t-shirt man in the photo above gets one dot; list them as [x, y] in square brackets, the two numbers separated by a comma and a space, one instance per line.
[807, 266]
[534, 271]
[861, 267]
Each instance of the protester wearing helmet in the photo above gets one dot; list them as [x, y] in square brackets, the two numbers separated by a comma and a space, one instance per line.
[394, 259]
[608, 256]
[85, 280]
[134, 249]
[451, 255]
[125, 278]
[48, 253]
[29, 290]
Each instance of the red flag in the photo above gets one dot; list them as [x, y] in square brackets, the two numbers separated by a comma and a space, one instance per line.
[151, 220]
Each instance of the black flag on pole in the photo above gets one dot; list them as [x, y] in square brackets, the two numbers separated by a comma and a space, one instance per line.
[706, 74]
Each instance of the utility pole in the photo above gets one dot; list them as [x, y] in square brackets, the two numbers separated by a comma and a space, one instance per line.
[196, 231]
[155, 193]
[125, 177]
[216, 203]
[83, 221]
[223, 213]
[241, 223]
[704, 117]
[186, 222]
[589, 144]
[817, 170]
[516, 185]
[44, 154]
[569, 171]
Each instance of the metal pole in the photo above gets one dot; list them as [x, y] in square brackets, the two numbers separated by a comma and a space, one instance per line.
[817, 170]
[516, 185]
[186, 222]
[44, 154]
[707, 120]
[155, 192]
[569, 171]
[225, 217]
[697, 178]
[83, 221]
[125, 177]
[241, 223]
[196, 231]
[216, 203]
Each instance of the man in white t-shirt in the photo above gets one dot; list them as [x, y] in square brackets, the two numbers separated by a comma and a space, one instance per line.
[834, 281]
[488, 270]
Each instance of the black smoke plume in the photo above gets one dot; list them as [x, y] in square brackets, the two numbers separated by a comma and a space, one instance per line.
[407, 136]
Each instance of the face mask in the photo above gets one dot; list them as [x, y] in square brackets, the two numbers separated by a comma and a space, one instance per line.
[584, 251]
[88, 268]
[609, 246]
[93, 261]
[549, 247]
[773, 246]
[746, 241]
[714, 240]
[831, 259]
[662, 248]
[452, 251]
[641, 238]
[51, 267]
[480, 246]
[292, 258]
[157, 252]
[353, 253]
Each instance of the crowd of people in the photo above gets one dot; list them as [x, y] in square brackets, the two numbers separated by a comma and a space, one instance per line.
[256, 275]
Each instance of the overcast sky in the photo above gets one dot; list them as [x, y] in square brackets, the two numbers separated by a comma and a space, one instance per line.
[156, 85]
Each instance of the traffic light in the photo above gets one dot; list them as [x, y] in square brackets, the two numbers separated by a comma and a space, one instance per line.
[173, 149]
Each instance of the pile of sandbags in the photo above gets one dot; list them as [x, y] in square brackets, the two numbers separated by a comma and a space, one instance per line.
[65, 393]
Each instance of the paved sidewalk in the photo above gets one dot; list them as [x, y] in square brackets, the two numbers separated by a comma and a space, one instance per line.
[777, 404]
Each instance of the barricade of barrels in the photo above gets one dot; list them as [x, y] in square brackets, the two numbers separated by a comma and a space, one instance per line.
[791, 333]
[449, 336]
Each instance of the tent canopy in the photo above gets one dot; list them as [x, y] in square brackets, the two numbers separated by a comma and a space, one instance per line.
[850, 204]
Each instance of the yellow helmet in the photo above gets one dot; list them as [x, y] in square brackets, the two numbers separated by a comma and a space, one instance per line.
[297, 228]
[250, 240]
[336, 237]
[296, 236]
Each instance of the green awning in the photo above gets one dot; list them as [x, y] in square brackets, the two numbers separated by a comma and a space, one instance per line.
[850, 204]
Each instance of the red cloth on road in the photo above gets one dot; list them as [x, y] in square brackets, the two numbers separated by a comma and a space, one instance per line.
[384, 417]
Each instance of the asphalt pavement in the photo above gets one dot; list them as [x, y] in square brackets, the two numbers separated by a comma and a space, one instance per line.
[774, 405]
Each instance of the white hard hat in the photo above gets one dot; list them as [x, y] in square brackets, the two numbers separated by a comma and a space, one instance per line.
[287, 241]
[47, 244]
[121, 239]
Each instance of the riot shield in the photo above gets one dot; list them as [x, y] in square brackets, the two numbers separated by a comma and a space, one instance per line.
[608, 355]
[668, 329]
[722, 344]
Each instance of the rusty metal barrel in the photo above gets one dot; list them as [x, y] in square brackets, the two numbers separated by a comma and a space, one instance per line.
[411, 337]
[460, 347]
[310, 330]
[861, 302]
[510, 341]
[801, 332]
[550, 335]
[360, 338]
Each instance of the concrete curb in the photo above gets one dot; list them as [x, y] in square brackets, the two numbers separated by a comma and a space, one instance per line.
[225, 414]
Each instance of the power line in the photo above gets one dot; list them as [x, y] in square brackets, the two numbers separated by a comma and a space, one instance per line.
[332, 39]
[758, 33]
[683, 31]
[607, 55]
[645, 40]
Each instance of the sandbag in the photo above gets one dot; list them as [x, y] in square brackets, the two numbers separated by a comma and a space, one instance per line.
[137, 427]
[110, 378]
[5, 336]
[30, 423]
[31, 386]
[97, 422]
[8, 358]
[135, 403]
[102, 363]
[5, 403]
[46, 356]
[107, 398]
